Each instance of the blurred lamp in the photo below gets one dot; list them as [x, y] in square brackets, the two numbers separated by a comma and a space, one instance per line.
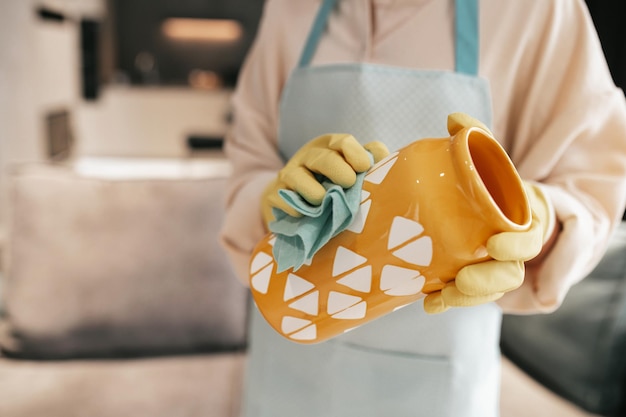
[203, 30]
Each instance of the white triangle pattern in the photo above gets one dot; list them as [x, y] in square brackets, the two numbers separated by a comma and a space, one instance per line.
[292, 324]
[358, 223]
[398, 281]
[296, 286]
[338, 301]
[419, 252]
[260, 260]
[308, 333]
[364, 195]
[261, 280]
[378, 173]
[403, 230]
[308, 304]
[355, 312]
[359, 280]
[410, 288]
[346, 260]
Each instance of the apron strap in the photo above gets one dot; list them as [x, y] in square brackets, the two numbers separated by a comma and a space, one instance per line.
[467, 37]
[466, 34]
[319, 25]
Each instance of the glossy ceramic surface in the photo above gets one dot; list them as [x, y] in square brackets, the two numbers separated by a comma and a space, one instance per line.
[426, 211]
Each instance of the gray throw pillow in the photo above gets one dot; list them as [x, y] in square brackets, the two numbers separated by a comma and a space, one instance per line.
[99, 268]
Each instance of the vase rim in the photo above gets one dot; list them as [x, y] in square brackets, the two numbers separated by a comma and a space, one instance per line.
[497, 181]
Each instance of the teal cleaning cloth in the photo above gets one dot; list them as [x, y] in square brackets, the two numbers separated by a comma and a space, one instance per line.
[299, 238]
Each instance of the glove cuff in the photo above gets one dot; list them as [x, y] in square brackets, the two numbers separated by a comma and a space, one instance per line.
[542, 207]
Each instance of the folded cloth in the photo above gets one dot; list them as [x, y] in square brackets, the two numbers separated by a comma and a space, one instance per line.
[299, 238]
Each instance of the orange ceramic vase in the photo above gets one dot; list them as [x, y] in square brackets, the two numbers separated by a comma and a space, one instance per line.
[426, 211]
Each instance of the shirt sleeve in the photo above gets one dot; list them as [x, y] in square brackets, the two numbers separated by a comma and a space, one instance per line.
[251, 143]
[569, 133]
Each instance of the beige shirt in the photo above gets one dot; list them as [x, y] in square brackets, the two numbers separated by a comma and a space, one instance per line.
[555, 107]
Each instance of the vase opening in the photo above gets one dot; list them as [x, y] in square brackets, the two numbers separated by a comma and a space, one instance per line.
[499, 177]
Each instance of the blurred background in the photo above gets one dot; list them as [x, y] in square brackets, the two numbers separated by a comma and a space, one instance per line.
[115, 295]
[118, 78]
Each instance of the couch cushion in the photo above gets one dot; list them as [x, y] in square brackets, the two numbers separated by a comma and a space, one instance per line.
[578, 351]
[100, 267]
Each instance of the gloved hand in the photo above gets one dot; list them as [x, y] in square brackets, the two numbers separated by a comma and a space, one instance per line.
[488, 281]
[337, 157]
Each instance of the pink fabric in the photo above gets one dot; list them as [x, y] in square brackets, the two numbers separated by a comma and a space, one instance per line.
[556, 111]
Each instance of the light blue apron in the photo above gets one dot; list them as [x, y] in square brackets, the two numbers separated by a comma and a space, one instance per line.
[406, 363]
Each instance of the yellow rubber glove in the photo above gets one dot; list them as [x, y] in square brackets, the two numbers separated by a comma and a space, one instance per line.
[488, 281]
[338, 157]
[459, 121]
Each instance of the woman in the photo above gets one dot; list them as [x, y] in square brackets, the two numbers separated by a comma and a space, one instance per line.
[533, 71]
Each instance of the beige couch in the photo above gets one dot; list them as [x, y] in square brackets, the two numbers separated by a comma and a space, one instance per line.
[119, 301]
[117, 297]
